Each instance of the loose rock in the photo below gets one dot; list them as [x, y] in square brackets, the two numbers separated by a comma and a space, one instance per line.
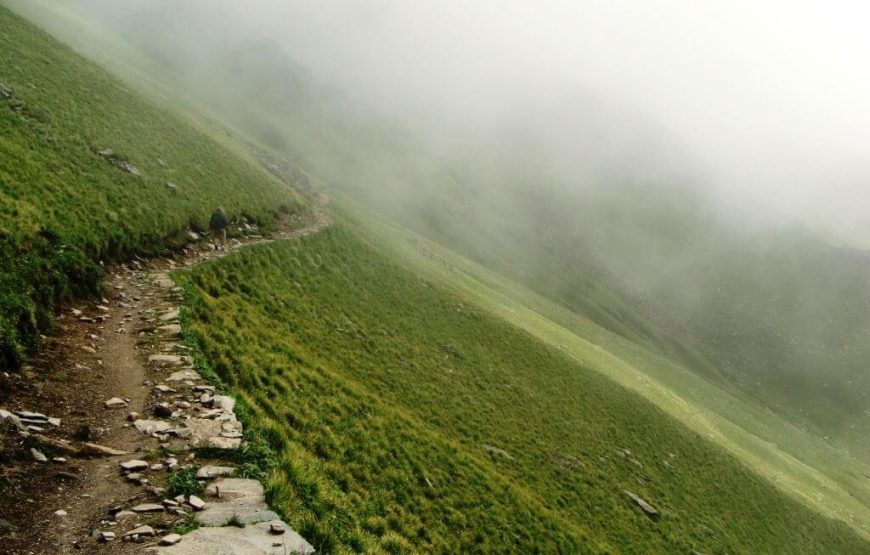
[115, 403]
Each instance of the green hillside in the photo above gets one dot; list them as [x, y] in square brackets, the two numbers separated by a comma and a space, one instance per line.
[64, 206]
[408, 419]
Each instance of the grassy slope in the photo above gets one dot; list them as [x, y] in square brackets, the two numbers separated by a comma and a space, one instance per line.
[769, 445]
[63, 207]
[380, 389]
[825, 478]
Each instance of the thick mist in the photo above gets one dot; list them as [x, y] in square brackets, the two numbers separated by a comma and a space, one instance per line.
[767, 100]
[704, 162]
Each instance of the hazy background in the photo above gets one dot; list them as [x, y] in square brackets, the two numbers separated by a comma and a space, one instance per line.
[704, 163]
[770, 97]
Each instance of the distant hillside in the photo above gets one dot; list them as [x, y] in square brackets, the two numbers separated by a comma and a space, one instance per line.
[92, 172]
[410, 420]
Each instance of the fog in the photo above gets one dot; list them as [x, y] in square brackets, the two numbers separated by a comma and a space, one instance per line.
[769, 99]
[708, 159]
[771, 96]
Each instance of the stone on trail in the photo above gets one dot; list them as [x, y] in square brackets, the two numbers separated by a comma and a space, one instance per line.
[134, 465]
[250, 540]
[96, 450]
[27, 415]
[107, 536]
[171, 539]
[165, 359]
[182, 375]
[56, 444]
[645, 507]
[196, 502]
[173, 329]
[151, 426]
[115, 403]
[148, 508]
[169, 316]
[37, 456]
[209, 472]
[141, 531]
[240, 499]
[220, 442]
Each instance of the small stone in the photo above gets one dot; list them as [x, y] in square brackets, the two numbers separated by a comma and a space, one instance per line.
[168, 316]
[195, 502]
[96, 450]
[133, 416]
[277, 528]
[37, 456]
[148, 508]
[133, 465]
[60, 512]
[156, 467]
[141, 531]
[151, 426]
[163, 410]
[162, 388]
[120, 515]
[644, 506]
[171, 539]
[107, 536]
[115, 403]
[165, 359]
[27, 415]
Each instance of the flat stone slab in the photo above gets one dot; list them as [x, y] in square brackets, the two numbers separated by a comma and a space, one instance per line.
[182, 375]
[205, 432]
[165, 359]
[169, 316]
[230, 540]
[235, 498]
[209, 472]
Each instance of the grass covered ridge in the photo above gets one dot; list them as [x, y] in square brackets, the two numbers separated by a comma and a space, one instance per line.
[64, 207]
[406, 419]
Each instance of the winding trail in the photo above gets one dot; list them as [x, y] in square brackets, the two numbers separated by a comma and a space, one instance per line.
[127, 348]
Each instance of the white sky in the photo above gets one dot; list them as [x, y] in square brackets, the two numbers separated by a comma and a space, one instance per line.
[775, 95]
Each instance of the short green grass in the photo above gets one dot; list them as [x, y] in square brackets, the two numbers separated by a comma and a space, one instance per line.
[408, 419]
[64, 207]
[825, 478]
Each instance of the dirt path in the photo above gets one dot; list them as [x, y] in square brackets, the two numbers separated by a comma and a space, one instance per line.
[102, 352]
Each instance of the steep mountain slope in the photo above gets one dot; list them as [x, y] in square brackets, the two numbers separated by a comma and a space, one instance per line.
[92, 172]
[758, 308]
[330, 389]
[408, 419]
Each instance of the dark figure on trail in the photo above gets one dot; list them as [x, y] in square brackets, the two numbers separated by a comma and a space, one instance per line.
[218, 225]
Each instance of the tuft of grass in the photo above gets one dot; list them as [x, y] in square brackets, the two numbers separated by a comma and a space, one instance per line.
[186, 525]
[183, 482]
